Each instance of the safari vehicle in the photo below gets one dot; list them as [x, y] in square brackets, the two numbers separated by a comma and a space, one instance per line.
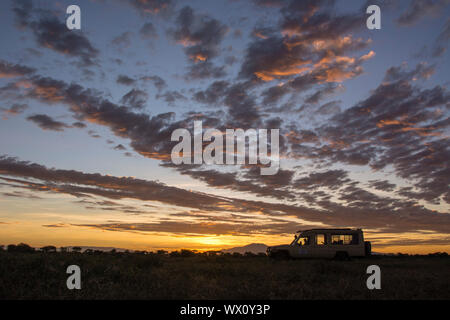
[340, 244]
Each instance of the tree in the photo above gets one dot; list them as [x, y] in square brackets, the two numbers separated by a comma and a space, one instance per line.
[187, 253]
[21, 247]
[63, 249]
[76, 249]
[47, 249]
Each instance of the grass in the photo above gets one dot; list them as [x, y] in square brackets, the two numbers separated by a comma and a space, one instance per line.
[42, 275]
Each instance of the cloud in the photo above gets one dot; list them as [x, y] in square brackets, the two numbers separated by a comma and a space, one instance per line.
[201, 35]
[419, 9]
[22, 10]
[15, 109]
[332, 179]
[79, 125]
[125, 80]
[213, 94]
[47, 123]
[382, 185]
[52, 34]
[119, 147]
[146, 7]
[9, 70]
[171, 97]
[123, 40]
[367, 210]
[442, 40]
[135, 98]
[157, 81]
[203, 70]
[148, 31]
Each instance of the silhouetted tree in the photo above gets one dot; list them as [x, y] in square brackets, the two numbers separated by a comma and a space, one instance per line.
[2, 248]
[187, 253]
[161, 252]
[48, 249]
[21, 247]
[76, 249]
[174, 254]
[63, 249]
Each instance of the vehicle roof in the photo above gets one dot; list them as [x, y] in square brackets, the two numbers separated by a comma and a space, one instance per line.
[328, 230]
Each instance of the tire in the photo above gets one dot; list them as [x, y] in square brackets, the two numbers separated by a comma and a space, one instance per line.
[342, 256]
[367, 248]
[281, 255]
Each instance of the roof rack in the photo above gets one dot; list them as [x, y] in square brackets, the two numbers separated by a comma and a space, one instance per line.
[329, 229]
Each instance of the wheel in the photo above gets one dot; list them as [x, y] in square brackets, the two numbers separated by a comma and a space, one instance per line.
[281, 255]
[342, 256]
[367, 248]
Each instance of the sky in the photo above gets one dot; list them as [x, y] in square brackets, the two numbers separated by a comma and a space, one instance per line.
[86, 118]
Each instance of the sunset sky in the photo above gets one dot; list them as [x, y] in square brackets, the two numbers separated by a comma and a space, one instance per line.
[86, 118]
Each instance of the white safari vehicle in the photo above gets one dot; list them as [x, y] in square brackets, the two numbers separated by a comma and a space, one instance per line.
[324, 243]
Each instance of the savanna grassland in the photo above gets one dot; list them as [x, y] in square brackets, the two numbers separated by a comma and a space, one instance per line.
[186, 275]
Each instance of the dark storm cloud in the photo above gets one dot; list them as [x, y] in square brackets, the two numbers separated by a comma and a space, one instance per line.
[419, 9]
[135, 98]
[47, 123]
[200, 34]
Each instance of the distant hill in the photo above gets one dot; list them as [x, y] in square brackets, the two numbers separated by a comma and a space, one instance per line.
[253, 247]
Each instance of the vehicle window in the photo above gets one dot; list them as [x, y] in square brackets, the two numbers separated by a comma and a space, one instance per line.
[303, 241]
[320, 239]
[342, 239]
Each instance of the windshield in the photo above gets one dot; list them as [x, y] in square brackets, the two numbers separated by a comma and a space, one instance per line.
[301, 241]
